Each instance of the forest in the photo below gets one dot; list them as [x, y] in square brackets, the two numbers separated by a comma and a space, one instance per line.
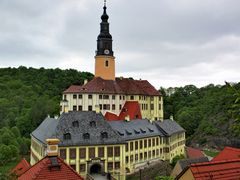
[209, 114]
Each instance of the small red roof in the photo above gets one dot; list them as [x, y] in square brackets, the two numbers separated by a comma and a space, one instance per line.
[228, 153]
[119, 86]
[223, 170]
[130, 108]
[47, 169]
[193, 153]
[21, 168]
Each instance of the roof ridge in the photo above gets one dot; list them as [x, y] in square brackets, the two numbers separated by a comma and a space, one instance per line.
[215, 162]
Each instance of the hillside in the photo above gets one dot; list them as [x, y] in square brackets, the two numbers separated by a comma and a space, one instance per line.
[209, 114]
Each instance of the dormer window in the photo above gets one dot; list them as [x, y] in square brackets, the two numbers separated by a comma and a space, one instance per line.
[92, 124]
[142, 131]
[86, 136]
[67, 136]
[104, 135]
[150, 130]
[75, 124]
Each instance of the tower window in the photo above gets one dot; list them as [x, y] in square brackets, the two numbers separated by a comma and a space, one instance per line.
[106, 63]
[86, 136]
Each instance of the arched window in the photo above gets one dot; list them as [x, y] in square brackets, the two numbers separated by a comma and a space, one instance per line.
[104, 135]
[67, 136]
[92, 124]
[106, 63]
[75, 124]
[86, 136]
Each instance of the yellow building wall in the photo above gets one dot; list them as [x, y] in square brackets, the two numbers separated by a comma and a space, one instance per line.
[187, 175]
[103, 71]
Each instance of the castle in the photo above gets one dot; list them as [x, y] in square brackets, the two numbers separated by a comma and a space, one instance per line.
[109, 124]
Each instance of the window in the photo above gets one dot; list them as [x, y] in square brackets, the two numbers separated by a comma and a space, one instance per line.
[101, 152]
[149, 143]
[79, 108]
[120, 97]
[131, 158]
[74, 96]
[110, 151]
[160, 98]
[152, 106]
[63, 153]
[153, 141]
[73, 153]
[106, 63]
[92, 153]
[80, 96]
[123, 97]
[149, 154]
[89, 108]
[65, 97]
[75, 124]
[106, 107]
[82, 152]
[73, 166]
[113, 96]
[100, 106]
[104, 135]
[126, 147]
[145, 143]
[105, 96]
[100, 96]
[141, 156]
[157, 141]
[160, 106]
[145, 155]
[92, 124]
[113, 107]
[117, 151]
[74, 108]
[136, 157]
[110, 166]
[86, 136]
[82, 167]
[67, 136]
[131, 146]
[136, 145]
[140, 97]
[117, 165]
[141, 144]
[89, 96]
[132, 97]
[120, 107]
[157, 152]
[127, 159]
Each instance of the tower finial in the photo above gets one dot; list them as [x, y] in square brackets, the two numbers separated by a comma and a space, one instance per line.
[105, 2]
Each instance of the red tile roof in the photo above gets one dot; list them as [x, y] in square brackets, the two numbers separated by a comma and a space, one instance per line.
[43, 170]
[193, 153]
[21, 167]
[130, 108]
[228, 153]
[221, 170]
[119, 86]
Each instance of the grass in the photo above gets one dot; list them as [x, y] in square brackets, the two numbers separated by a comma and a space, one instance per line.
[211, 153]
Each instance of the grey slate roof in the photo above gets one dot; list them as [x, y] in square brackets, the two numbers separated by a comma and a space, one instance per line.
[64, 125]
[186, 162]
[135, 129]
[169, 127]
[45, 129]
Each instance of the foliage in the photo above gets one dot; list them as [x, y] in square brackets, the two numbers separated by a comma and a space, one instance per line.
[211, 153]
[164, 178]
[176, 159]
[208, 111]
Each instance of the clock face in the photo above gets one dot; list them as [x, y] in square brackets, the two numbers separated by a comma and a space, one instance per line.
[106, 51]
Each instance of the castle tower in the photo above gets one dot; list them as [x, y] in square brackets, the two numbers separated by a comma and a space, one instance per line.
[104, 59]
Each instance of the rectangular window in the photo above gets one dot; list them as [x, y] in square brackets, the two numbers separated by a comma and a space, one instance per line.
[127, 159]
[145, 143]
[82, 153]
[146, 106]
[110, 151]
[74, 108]
[152, 106]
[157, 152]
[79, 108]
[106, 106]
[110, 166]
[100, 106]
[153, 141]
[141, 156]
[80, 96]
[160, 98]
[149, 143]
[63, 153]
[72, 153]
[113, 97]
[117, 165]
[105, 96]
[74, 96]
[131, 158]
[89, 108]
[126, 148]
[89, 96]
[100, 96]
[141, 144]
[120, 97]
[132, 97]
[160, 106]
[113, 107]
[117, 151]
[120, 107]
[65, 97]
[131, 146]
[149, 154]
[73, 166]
[123, 97]
[157, 141]
[82, 167]
[136, 157]
[101, 152]
[136, 145]
[92, 153]
[153, 153]
[145, 155]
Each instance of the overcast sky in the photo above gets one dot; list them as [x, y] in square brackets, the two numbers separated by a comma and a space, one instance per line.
[168, 42]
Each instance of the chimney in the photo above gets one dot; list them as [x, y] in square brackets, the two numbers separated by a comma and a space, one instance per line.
[85, 81]
[56, 117]
[52, 147]
[97, 109]
[171, 118]
[127, 118]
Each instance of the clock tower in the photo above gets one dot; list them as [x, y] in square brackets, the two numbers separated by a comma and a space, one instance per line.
[104, 59]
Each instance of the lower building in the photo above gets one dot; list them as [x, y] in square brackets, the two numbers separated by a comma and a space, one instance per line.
[92, 145]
